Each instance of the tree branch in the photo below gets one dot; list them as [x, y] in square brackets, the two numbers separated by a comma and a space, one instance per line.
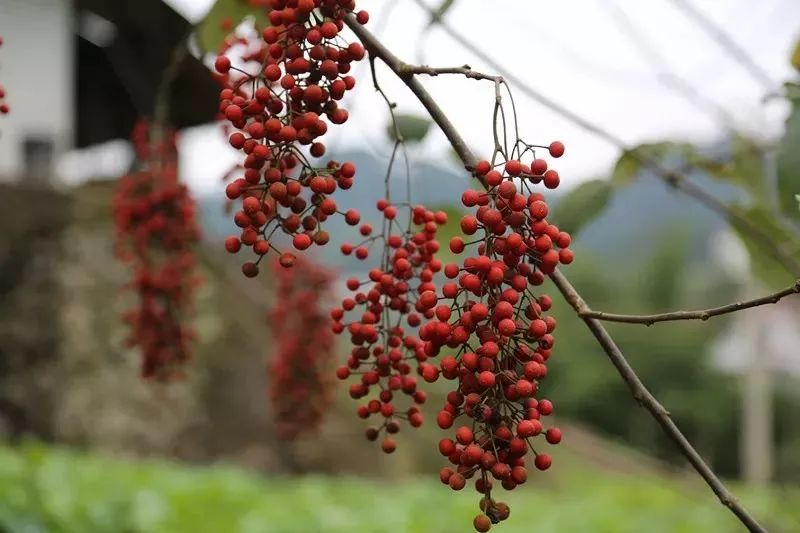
[640, 393]
[677, 180]
[649, 402]
[693, 315]
[465, 70]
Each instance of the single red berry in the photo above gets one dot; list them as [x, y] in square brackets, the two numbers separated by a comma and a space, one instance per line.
[556, 149]
[222, 64]
[553, 435]
[482, 523]
[543, 461]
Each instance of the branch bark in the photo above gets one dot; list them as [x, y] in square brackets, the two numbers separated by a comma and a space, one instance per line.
[464, 70]
[704, 314]
[676, 180]
[637, 388]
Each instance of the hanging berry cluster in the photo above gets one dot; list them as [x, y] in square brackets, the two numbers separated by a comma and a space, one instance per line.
[302, 75]
[496, 328]
[382, 312]
[4, 109]
[155, 223]
[299, 385]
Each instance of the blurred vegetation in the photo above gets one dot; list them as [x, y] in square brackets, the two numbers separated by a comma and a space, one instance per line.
[671, 359]
[46, 489]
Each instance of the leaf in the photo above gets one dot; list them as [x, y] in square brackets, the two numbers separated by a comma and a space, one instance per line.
[744, 168]
[796, 56]
[223, 17]
[763, 265]
[411, 127]
[788, 163]
[797, 197]
[630, 162]
[792, 90]
[581, 205]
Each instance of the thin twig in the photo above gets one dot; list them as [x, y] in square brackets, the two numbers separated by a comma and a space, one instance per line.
[693, 315]
[464, 70]
[640, 393]
[727, 43]
[677, 180]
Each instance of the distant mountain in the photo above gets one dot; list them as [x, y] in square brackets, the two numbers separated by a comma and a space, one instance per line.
[630, 226]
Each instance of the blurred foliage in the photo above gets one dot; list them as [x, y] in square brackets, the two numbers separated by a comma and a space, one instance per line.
[582, 204]
[223, 17]
[412, 128]
[744, 166]
[630, 163]
[769, 198]
[444, 7]
[789, 158]
[671, 359]
[769, 271]
[54, 490]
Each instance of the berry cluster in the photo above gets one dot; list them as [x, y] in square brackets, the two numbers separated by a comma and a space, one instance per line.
[155, 223]
[4, 109]
[382, 312]
[496, 327]
[302, 74]
[300, 389]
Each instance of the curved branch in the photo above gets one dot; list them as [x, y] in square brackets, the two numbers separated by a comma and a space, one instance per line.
[677, 180]
[640, 393]
[704, 314]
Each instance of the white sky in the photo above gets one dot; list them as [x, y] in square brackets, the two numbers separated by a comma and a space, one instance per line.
[575, 53]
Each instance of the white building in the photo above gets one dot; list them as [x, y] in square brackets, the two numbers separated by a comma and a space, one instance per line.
[37, 70]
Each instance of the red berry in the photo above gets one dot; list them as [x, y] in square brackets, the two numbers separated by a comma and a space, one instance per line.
[556, 149]
[553, 435]
[222, 64]
[543, 461]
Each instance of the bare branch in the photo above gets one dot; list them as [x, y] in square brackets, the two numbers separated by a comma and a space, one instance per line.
[640, 393]
[649, 402]
[677, 180]
[465, 70]
[705, 314]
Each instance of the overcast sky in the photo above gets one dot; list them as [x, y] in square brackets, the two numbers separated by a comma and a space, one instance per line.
[577, 53]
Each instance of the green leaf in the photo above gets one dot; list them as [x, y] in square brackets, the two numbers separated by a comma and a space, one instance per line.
[581, 205]
[222, 18]
[630, 162]
[411, 127]
[764, 266]
[744, 168]
[792, 90]
[788, 163]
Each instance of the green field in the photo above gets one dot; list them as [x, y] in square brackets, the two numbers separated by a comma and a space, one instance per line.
[45, 489]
